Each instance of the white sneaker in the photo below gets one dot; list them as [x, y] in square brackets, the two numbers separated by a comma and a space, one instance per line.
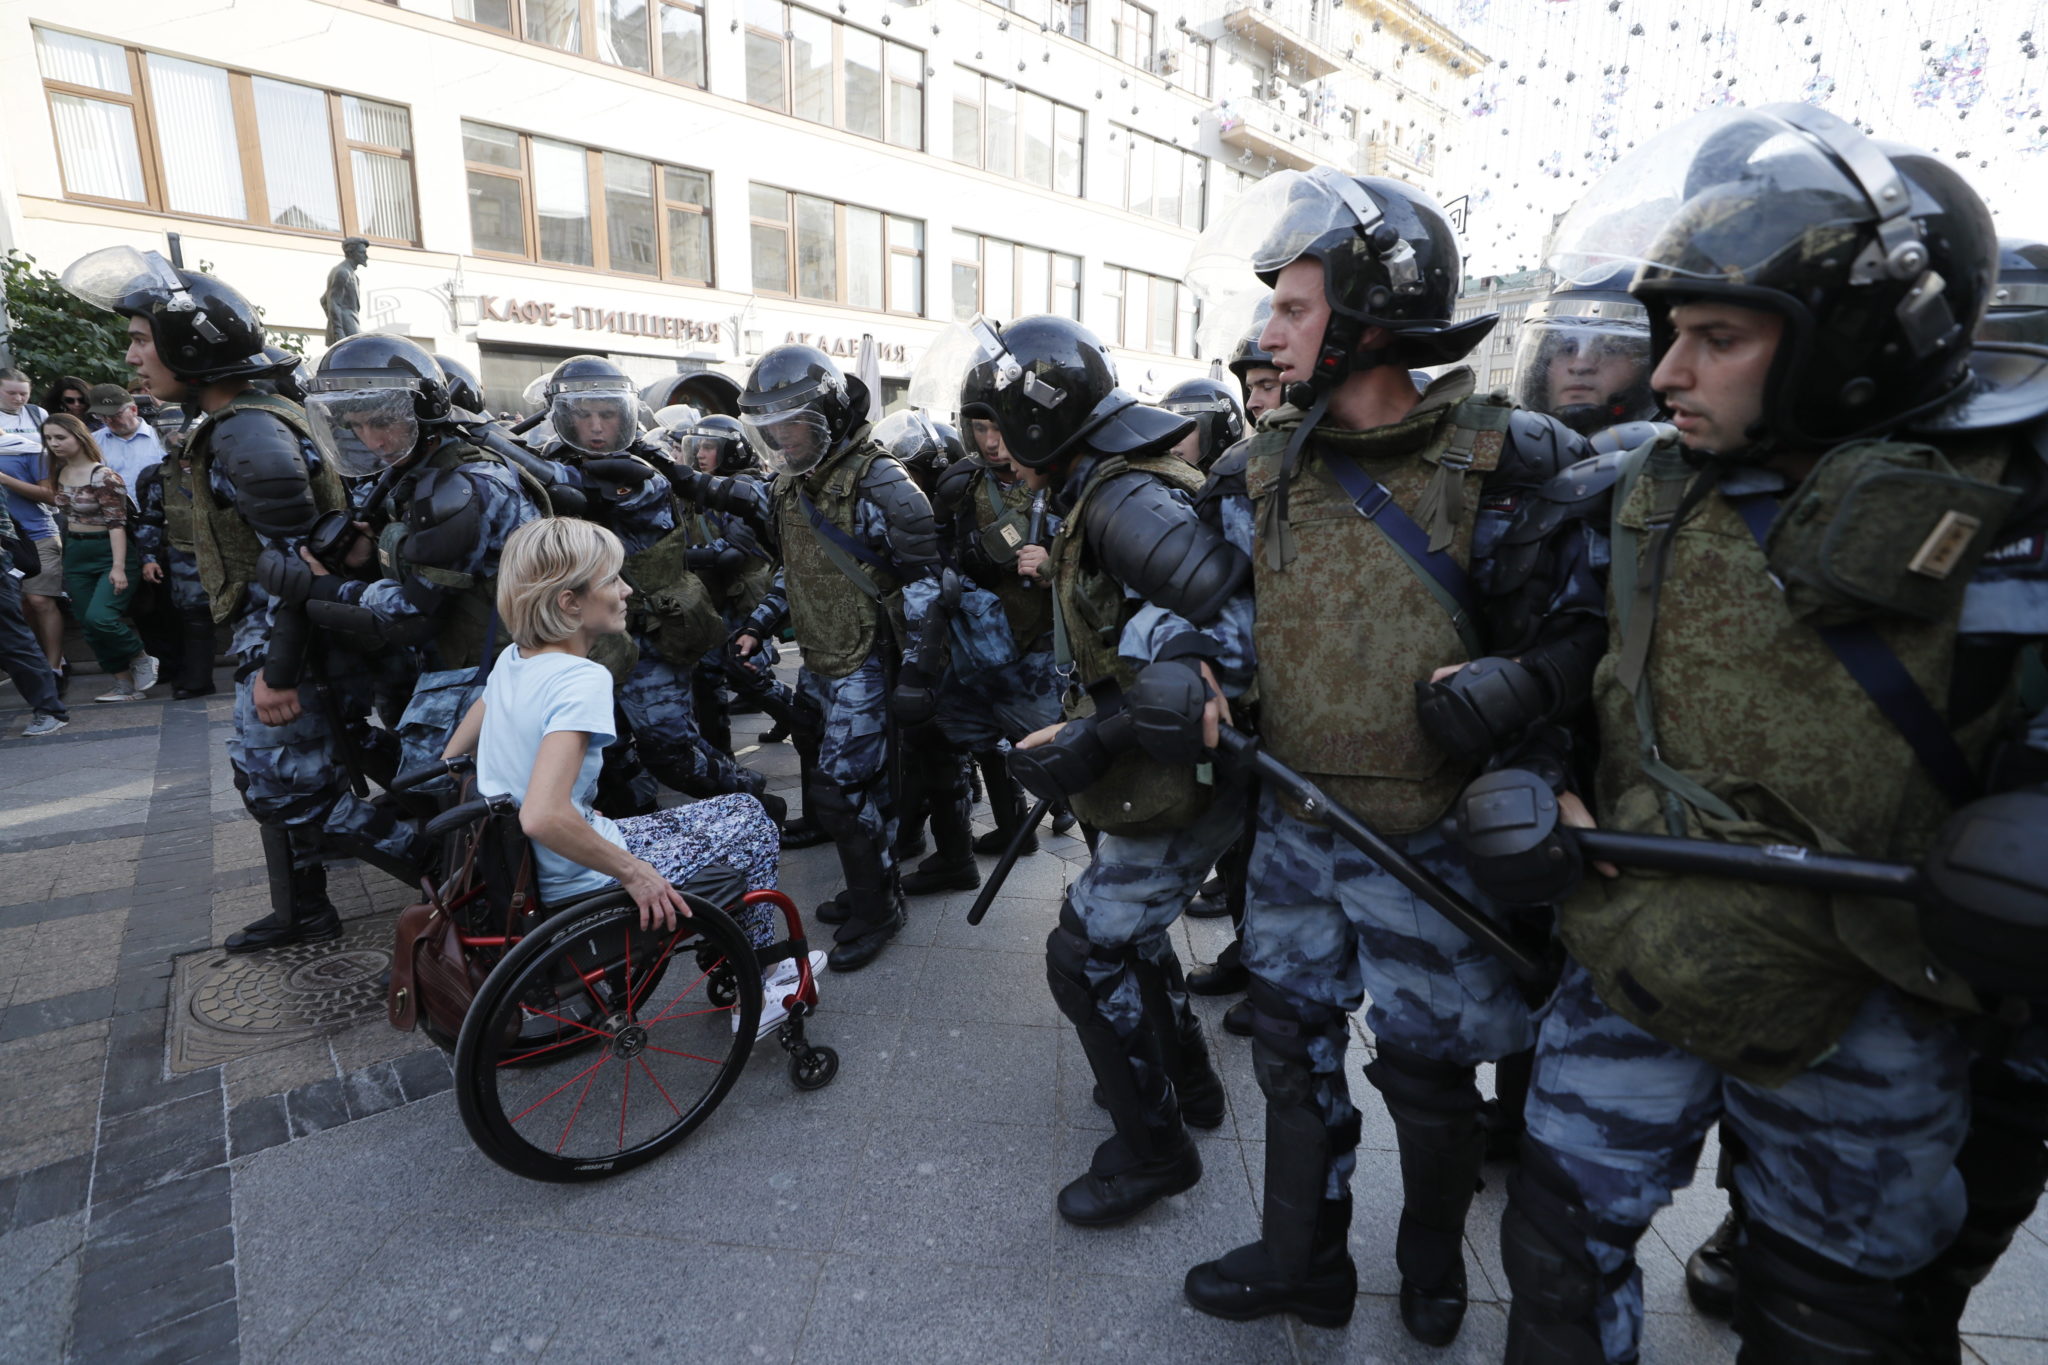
[144, 669]
[43, 724]
[778, 983]
[121, 692]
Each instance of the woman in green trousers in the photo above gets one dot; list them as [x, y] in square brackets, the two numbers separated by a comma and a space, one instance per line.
[100, 566]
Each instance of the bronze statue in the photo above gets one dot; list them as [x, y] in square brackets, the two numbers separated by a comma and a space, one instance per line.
[343, 300]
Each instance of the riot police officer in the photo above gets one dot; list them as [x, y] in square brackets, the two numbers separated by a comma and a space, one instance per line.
[1218, 417]
[163, 532]
[258, 483]
[1136, 580]
[1583, 354]
[859, 564]
[595, 415]
[1374, 509]
[1253, 365]
[380, 409]
[1849, 706]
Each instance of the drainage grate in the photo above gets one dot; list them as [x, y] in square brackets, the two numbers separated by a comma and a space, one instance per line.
[229, 1006]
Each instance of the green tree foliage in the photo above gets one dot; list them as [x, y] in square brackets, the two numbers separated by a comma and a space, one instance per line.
[54, 332]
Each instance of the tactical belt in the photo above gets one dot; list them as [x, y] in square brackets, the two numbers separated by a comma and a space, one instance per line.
[846, 553]
[1436, 570]
[1877, 670]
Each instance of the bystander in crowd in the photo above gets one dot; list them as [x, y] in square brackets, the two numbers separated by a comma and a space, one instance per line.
[127, 444]
[29, 488]
[21, 655]
[101, 569]
[69, 393]
[17, 414]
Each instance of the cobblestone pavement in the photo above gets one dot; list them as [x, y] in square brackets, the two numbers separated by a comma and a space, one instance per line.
[274, 1190]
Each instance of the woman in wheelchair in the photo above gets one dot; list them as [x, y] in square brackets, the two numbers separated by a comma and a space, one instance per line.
[539, 731]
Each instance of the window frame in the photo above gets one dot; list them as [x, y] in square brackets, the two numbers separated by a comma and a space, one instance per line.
[1011, 307]
[600, 226]
[1120, 23]
[1184, 194]
[1184, 317]
[966, 77]
[886, 77]
[792, 269]
[586, 43]
[242, 104]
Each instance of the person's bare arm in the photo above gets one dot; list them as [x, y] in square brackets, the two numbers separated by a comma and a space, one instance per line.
[463, 741]
[34, 492]
[550, 818]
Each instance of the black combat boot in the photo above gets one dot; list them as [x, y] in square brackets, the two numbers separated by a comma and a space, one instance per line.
[1435, 1108]
[194, 677]
[1710, 1270]
[1225, 976]
[300, 911]
[874, 907]
[1005, 803]
[952, 867]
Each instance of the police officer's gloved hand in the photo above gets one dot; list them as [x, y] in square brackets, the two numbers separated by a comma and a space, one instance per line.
[915, 701]
[291, 580]
[616, 478]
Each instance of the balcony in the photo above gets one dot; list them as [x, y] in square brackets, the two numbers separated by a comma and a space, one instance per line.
[1301, 28]
[1267, 130]
[1395, 163]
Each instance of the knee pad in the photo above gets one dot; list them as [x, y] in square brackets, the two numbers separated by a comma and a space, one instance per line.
[1795, 1305]
[1284, 1026]
[1410, 1080]
[1556, 1284]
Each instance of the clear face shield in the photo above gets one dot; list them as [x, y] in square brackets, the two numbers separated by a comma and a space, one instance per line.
[597, 417]
[791, 439]
[942, 370]
[910, 437]
[104, 277]
[1578, 360]
[364, 424]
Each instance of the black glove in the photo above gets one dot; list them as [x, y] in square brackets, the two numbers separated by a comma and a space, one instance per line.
[291, 580]
[615, 478]
[915, 701]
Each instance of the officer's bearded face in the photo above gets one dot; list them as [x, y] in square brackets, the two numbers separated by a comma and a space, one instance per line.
[1263, 391]
[1301, 312]
[1713, 376]
[1588, 371]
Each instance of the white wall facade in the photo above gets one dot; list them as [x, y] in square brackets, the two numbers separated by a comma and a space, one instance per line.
[415, 54]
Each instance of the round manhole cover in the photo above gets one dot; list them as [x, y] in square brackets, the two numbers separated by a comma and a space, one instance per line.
[305, 986]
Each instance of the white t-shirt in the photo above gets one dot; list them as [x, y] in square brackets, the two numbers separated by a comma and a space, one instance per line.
[525, 700]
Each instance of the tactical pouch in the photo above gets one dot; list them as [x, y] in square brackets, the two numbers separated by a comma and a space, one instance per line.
[1003, 537]
[618, 654]
[1883, 529]
[980, 633]
[1139, 794]
[670, 604]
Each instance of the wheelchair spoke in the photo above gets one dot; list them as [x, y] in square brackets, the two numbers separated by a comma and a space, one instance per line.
[653, 973]
[543, 1014]
[664, 1015]
[560, 1088]
[691, 1055]
[529, 1056]
[563, 1141]
[658, 1085]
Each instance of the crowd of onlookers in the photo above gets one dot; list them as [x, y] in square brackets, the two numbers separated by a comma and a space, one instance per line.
[74, 468]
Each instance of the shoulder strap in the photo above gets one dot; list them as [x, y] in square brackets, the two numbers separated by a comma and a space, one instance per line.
[1434, 569]
[1878, 671]
[847, 554]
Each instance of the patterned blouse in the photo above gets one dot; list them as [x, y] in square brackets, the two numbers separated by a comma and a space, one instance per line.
[100, 504]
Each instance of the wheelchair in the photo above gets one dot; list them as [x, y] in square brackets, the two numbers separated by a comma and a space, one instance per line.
[583, 1045]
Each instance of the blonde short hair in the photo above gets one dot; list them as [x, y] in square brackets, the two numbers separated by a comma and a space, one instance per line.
[542, 558]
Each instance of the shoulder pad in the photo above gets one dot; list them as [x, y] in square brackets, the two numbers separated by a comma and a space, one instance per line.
[1155, 545]
[1537, 447]
[2008, 386]
[913, 535]
[1623, 436]
[1226, 474]
[956, 481]
[1580, 493]
[265, 461]
[443, 519]
[1140, 430]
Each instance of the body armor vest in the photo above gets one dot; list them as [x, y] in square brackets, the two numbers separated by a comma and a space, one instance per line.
[1139, 794]
[837, 624]
[223, 543]
[1028, 608]
[176, 483]
[1746, 727]
[670, 607]
[1346, 630]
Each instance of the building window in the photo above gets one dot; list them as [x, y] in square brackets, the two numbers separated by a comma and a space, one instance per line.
[1016, 133]
[543, 200]
[1149, 312]
[1156, 178]
[183, 137]
[1185, 60]
[826, 252]
[1132, 30]
[817, 68]
[660, 37]
[1006, 280]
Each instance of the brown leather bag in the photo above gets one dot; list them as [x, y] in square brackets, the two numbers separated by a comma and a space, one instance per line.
[429, 966]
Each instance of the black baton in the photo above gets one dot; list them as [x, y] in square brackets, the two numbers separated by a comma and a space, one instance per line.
[1006, 862]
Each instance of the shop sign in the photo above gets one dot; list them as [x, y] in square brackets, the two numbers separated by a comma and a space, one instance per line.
[618, 321]
[892, 352]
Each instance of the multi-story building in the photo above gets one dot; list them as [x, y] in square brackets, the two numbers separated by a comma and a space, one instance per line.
[683, 183]
[1510, 296]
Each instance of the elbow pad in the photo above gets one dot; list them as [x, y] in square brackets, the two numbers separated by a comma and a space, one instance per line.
[720, 559]
[273, 482]
[1480, 708]
[364, 626]
[913, 534]
[1155, 545]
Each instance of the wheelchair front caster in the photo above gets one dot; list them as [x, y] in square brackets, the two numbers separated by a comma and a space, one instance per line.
[813, 1068]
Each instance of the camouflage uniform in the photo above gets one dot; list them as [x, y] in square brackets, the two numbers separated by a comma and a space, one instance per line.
[163, 532]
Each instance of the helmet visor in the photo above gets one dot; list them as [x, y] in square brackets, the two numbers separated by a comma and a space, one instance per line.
[789, 441]
[596, 421]
[1267, 229]
[363, 426]
[1582, 360]
[943, 368]
[104, 277]
[908, 436]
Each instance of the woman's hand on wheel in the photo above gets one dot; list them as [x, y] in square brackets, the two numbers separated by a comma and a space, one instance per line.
[661, 905]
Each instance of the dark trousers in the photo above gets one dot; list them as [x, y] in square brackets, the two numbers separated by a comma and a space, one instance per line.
[22, 656]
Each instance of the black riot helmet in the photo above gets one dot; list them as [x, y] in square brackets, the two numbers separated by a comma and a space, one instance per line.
[291, 378]
[2019, 303]
[464, 389]
[1878, 257]
[372, 399]
[949, 436]
[592, 405]
[1390, 260]
[1251, 353]
[1583, 355]
[725, 439]
[1217, 414]
[799, 408]
[204, 331]
[914, 439]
